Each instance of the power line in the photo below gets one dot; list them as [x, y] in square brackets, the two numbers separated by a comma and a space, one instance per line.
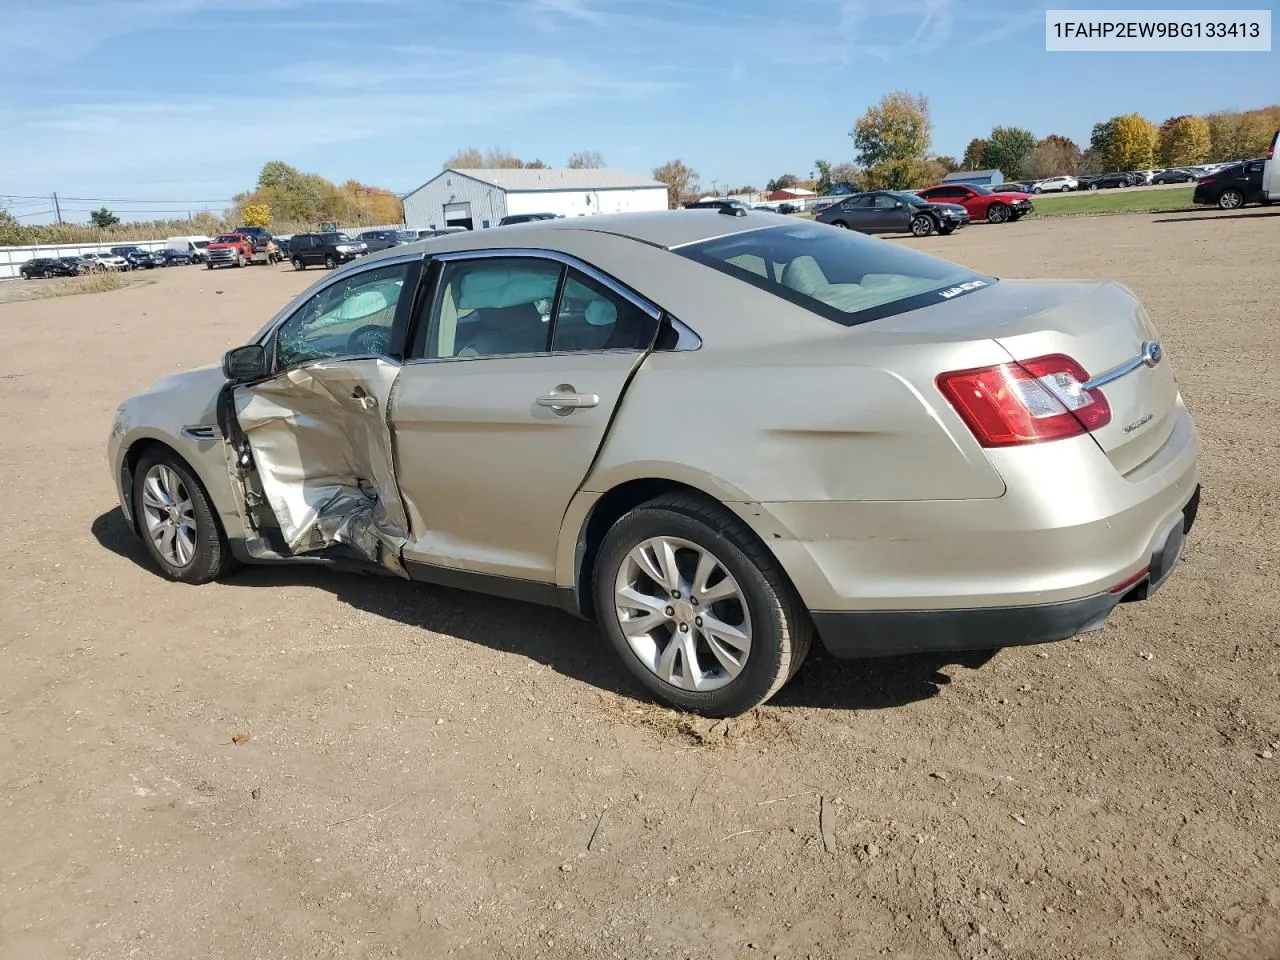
[24, 196]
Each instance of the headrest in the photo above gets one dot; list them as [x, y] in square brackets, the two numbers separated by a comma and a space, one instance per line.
[601, 313]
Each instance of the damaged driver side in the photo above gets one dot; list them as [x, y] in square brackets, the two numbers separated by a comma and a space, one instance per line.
[311, 446]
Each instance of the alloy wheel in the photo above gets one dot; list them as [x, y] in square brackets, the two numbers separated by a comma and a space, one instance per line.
[998, 213]
[921, 226]
[1230, 199]
[169, 515]
[683, 614]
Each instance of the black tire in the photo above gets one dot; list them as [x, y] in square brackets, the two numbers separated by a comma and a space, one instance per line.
[781, 629]
[209, 265]
[298, 264]
[1037, 189]
[841, 224]
[330, 262]
[212, 557]
[1093, 186]
[239, 260]
[923, 225]
[1230, 199]
[997, 213]
[946, 231]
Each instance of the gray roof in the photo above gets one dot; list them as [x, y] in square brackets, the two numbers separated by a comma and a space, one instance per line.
[558, 178]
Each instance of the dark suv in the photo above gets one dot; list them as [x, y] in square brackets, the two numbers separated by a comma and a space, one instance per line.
[377, 240]
[137, 257]
[323, 249]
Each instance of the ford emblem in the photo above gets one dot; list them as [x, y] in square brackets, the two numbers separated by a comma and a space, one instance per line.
[1151, 353]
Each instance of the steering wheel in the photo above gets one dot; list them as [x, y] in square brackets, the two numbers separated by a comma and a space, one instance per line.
[371, 340]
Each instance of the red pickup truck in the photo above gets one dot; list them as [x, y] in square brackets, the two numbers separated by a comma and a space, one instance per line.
[229, 249]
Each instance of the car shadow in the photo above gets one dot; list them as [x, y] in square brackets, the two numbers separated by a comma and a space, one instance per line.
[1244, 215]
[561, 642]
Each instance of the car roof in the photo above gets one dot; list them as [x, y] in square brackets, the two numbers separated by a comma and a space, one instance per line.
[659, 228]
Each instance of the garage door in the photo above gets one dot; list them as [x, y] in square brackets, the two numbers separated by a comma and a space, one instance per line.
[458, 215]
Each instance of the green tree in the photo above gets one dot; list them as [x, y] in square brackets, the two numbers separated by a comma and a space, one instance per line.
[972, 159]
[1008, 150]
[681, 181]
[782, 182]
[892, 139]
[536, 164]
[1134, 144]
[824, 184]
[103, 218]
[1102, 137]
[585, 160]
[1184, 141]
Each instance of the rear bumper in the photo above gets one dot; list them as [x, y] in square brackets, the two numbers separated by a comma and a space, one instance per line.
[851, 634]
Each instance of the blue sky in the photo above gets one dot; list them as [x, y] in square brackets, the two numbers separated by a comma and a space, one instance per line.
[183, 100]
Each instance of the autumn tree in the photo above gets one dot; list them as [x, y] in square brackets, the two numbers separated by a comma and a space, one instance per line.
[1240, 136]
[103, 218]
[972, 159]
[681, 180]
[892, 139]
[1134, 144]
[1184, 141]
[1054, 156]
[832, 175]
[782, 182]
[536, 164]
[1007, 150]
[255, 215]
[585, 160]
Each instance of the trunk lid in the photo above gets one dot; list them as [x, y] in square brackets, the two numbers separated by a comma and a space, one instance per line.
[1099, 324]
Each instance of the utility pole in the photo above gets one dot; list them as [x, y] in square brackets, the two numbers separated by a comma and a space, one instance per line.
[57, 210]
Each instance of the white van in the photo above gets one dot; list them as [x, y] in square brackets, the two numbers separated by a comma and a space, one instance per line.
[192, 245]
[1271, 171]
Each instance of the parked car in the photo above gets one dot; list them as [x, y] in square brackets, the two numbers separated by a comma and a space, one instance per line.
[323, 249]
[1232, 187]
[43, 267]
[175, 258]
[716, 203]
[982, 203]
[232, 250]
[138, 258]
[889, 452]
[282, 245]
[1056, 185]
[195, 246]
[891, 211]
[526, 218]
[1110, 181]
[107, 261]
[376, 240]
[1174, 176]
[76, 266]
[1010, 188]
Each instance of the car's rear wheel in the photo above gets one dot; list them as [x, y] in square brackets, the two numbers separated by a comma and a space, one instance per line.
[1093, 186]
[922, 225]
[697, 609]
[998, 213]
[298, 264]
[330, 262]
[176, 520]
[1230, 199]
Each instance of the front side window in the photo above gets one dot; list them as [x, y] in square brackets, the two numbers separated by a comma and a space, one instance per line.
[885, 202]
[492, 307]
[838, 274]
[350, 318]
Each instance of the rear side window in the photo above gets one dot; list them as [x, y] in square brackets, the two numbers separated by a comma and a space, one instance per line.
[838, 274]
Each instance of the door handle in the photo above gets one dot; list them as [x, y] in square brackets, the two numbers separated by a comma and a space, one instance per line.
[565, 400]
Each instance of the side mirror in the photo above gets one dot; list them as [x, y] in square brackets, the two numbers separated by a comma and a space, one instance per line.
[899, 204]
[245, 363]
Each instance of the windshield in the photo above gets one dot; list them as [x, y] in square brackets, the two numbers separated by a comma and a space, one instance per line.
[979, 188]
[228, 238]
[838, 274]
[910, 198]
[202, 244]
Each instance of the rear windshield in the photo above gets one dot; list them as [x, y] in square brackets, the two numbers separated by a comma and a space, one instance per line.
[838, 274]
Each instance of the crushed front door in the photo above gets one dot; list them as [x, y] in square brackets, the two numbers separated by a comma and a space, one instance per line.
[317, 431]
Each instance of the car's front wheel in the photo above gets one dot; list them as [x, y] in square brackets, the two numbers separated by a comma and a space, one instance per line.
[1230, 199]
[330, 262]
[998, 213]
[922, 225]
[176, 520]
[697, 609]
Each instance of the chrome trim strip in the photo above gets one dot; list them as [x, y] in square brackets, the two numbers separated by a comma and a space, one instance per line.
[202, 432]
[1149, 356]
[555, 255]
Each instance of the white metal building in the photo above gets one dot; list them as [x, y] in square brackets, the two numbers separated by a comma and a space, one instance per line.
[480, 198]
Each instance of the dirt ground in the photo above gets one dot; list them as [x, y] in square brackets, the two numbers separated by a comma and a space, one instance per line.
[430, 773]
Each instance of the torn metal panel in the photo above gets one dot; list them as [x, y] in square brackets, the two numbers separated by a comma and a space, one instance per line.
[322, 449]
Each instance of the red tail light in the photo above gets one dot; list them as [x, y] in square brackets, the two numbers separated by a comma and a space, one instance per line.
[1030, 401]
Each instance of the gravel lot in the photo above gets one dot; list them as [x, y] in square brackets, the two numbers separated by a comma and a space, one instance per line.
[430, 773]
